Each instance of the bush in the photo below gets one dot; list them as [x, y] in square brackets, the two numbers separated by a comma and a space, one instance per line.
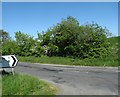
[69, 39]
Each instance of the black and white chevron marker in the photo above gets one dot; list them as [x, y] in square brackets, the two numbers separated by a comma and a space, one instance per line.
[9, 61]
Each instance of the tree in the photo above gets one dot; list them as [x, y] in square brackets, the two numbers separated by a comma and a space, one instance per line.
[25, 42]
[62, 35]
[92, 41]
[10, 47]
[68, 38]
[4, 36]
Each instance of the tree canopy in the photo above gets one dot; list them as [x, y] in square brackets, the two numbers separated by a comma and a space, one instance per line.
[67, 38]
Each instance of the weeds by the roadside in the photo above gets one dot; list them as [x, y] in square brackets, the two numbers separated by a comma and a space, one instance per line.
[25, 85]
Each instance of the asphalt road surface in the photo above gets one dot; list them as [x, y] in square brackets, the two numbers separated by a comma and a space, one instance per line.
[72, 80]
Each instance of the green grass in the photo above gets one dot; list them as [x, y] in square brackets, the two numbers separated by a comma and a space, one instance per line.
[25, 85]
[108, 61]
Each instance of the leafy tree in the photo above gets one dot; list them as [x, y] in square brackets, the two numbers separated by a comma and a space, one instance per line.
[4, 36]
[10, 47]
[40, 37]
[36, 49]
[25, 42]
[68, 38]
[62, 35]
[92, 41]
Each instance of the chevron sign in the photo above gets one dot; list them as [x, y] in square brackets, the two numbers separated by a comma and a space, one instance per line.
[9, 61]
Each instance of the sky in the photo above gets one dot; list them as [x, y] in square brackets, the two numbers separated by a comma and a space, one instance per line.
[60, 0]
[33, 17]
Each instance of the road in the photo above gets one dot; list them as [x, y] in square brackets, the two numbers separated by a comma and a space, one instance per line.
[72, 80]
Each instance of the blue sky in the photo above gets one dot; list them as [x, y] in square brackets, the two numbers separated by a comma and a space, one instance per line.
[33, 17]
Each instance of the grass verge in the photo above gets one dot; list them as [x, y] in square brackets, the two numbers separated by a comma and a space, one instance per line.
[108, 61]
[25, 85]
